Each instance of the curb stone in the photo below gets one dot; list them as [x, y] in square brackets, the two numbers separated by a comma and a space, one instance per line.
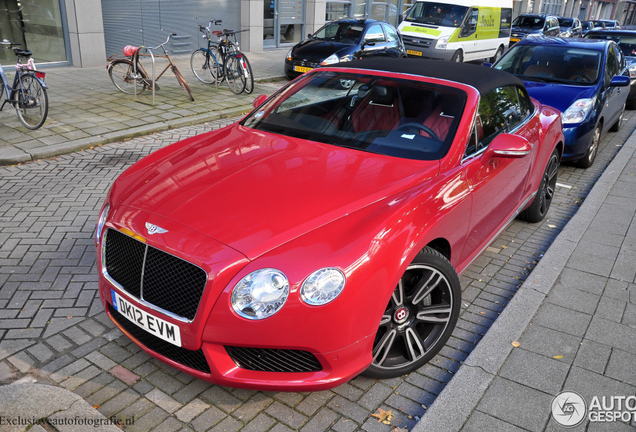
[461, 395]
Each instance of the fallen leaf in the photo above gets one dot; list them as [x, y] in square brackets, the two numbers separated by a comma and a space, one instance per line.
[95, 406]
[558, 357]
[516, 344]
[383, 416]
[504, 247]
[69, 317]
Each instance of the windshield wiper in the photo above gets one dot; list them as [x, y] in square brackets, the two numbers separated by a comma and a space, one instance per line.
[532, 78]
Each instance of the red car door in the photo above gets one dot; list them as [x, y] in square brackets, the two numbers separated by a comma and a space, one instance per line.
[497, 185]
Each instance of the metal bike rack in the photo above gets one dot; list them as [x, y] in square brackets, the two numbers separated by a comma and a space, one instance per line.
[153, 82]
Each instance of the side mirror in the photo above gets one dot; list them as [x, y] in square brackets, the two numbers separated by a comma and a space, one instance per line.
[400, 18]
[619, 81]
[258, 101]
[507, 146]
[487, 64]
[369, 43]
[308, 35]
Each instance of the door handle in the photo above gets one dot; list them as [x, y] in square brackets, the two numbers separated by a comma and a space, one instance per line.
[475, 35]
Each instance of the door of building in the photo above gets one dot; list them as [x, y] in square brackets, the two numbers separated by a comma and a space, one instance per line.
[283, 22]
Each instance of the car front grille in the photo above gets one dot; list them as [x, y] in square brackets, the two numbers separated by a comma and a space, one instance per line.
[416, 42]
[307, 63]
[274, 360]
[154, 276]
[192, 359]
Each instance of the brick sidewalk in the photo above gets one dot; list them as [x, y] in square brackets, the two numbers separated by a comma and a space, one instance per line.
[574, 320]
[86, 109]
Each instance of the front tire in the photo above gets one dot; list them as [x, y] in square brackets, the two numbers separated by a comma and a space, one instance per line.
[201, 65]
[619, 123]
[458, 57]
[543, 199]
[419, 317]
[592, 150]
[31, 102]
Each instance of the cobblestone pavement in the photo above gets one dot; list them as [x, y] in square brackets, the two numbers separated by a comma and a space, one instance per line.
[86, 109]
[52, 326]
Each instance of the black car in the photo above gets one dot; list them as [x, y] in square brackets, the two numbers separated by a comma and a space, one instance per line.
[588, 26]
[535, 25]
[611, 24]
[570, 27]
[626, 40]
[341, 41]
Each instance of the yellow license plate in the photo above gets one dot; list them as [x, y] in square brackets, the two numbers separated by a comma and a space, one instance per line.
[302, 69]
[415, 53]
[514, 39]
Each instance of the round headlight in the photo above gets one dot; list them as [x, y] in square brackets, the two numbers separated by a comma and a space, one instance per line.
[260, 294]
[100, 223]
[322, 286]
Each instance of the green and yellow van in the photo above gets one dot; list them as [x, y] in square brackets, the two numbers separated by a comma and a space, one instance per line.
[457, 30]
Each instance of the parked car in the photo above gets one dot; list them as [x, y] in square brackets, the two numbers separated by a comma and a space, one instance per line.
[587, 26]
[533, 25]
[322, 235]
[611, 24]
[580, 77]
[626, 40]
[457, 30]
[342, 41]
[570, 27]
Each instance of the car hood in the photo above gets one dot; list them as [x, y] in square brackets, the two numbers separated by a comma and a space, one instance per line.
[254, 191]
[556, 95]
[317, 50]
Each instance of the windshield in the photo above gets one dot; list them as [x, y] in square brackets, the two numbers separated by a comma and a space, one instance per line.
[440, 14]
[566, 22]
[563, 64]
[389, 116]
[587, 25]
[529, 22]
[346, 33]
[626, 43]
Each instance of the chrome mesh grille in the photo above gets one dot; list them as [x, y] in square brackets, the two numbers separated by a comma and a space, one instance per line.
[274, 360]
[154, 276]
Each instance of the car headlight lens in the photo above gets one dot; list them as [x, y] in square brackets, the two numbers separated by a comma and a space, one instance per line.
[289, 53]
[332, 59]
[442, 43]
[322, 286]
[578, 111]
[565, 33]
[260, 294]
[632, 71]
[101, 222]
[532, 35]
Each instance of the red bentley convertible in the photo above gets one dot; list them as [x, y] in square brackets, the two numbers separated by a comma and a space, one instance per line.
[321, 236]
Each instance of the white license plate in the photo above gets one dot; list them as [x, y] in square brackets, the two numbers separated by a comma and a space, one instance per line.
[158, 327]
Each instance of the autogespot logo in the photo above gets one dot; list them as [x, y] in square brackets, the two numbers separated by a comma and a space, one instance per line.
[568, 408]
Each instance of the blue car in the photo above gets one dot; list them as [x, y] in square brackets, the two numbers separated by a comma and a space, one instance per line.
[584, 79]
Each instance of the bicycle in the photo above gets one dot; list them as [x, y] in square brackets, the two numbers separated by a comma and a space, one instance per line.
[222, 61]
[28, 94]
[129, 75]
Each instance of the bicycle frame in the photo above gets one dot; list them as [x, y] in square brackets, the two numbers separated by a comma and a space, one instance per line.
[17, 83]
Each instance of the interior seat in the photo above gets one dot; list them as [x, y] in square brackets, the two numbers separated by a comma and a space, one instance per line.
[379, 110]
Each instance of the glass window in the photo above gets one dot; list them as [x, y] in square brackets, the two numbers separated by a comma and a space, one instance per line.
[529, 22]
[374, 34]
[389, 116]
[36, 25]
[471, 24]
[340, 32]
[337, 10]
[437, 14]
[391, 35]
[490, 121]
[612, 64]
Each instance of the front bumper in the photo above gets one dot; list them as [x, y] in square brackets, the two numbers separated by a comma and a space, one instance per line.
[577, 140]
[295, 68]
[428, 51]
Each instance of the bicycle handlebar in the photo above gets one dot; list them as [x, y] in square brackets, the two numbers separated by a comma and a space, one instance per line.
[161, 46]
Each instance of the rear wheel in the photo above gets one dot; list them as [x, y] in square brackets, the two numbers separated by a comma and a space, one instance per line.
[31, 102]
[122, 74]
[419, 318]
[590, 155]
[543, 199]
[234, 75]
[247, 72]
[498, 54]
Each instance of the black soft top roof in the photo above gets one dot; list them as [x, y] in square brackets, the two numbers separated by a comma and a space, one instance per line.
[484, 79]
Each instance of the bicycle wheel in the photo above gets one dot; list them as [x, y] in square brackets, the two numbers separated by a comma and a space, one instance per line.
[216, 61]
[247, 72]
[183, 82]
[201, 65]
[234, 75]
[31, 102]
[122, 74]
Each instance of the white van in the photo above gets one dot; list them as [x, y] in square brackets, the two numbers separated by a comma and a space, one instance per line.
[457, 30]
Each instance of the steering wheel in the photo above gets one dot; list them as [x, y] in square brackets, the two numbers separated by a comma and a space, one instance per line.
[419, 126]
[580, 74]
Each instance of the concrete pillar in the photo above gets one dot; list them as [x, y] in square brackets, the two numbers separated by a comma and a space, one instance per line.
[315, 11]
[86, 32]
[252, 17]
